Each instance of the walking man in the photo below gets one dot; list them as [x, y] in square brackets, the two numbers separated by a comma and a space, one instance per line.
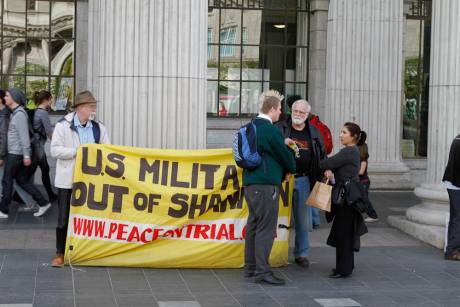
[262, 192]
[298, 131]
[75, 129]
[19, 155]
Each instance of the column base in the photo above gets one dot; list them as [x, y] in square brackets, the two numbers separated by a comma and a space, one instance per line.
[390, 176]
[427, 220]
[433, 235]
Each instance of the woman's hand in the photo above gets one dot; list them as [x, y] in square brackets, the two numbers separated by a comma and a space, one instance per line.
[329, 174]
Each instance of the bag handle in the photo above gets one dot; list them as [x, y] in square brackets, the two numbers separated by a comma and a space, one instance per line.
[327, 180]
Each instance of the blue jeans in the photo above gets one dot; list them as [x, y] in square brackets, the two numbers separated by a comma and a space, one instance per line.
[301, 216]
[314, 215]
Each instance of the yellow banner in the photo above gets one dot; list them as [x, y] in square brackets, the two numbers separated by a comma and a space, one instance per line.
[138, 207]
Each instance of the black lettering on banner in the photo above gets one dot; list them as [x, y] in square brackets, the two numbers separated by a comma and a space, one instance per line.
[194, 182]
[98, 205]
[214, 202]
[180, 200]
[118, 160]
[154, 168]
[174, 182]
[91, 170]
[194, 205]
[231, 173]
[118, 192]
[78, 188]
[153, 202]
[140, 201]
[284, 193]
[164, 173]
[209, 170]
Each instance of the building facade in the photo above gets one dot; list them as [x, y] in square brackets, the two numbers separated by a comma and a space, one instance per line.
[187, 74]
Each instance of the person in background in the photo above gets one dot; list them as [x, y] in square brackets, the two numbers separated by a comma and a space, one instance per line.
[19, 154]
[364, 178]
[23, 197]
[42, 130]
[348, 224]
[451, 180]
[75, 129]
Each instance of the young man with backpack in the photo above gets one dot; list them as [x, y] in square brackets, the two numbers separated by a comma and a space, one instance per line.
[75, 129]
[261, 185]
[19, 155]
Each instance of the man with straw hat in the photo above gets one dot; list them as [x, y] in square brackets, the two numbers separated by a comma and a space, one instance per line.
[75, 129]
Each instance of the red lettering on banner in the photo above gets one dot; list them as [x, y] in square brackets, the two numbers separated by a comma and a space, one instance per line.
[144, 234]
[99, 229]
[77, 224]
[134, 235]
[156, 233]
[112, 229]
[178, 232]
[121, 231]
[200, 231]
[88, 228]
[222, 232]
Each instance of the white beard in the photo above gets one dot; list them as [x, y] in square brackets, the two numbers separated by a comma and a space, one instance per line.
[298, 121]
[92, 116]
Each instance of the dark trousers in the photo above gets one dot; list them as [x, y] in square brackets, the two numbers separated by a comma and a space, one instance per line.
[343, 226]
[39, 159]
[15, 169]
[370, 209]
[263, 204]
[453, 231]
[63, 218]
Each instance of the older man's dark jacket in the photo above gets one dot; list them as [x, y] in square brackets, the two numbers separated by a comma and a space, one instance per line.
[317, 148]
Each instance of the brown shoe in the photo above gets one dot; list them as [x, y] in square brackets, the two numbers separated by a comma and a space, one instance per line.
[58, 261]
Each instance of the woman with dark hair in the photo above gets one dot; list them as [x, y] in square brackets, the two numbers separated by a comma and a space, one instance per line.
[42, 131]
[363, 177]
[348, 223]
[451, 181]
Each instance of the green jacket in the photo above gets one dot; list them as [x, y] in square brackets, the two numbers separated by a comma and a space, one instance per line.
[277, 158]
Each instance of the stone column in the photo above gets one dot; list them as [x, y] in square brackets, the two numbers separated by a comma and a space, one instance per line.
[364, 81]
[427, 220]
[317, 56]
[147, 66]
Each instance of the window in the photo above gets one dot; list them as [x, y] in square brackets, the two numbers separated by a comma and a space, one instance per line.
[38, 44]
[416, 78]
[262, 44]
[227, 36]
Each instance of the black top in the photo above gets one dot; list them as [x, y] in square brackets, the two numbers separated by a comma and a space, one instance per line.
[452, 172]
[303, 141]
[345, 164]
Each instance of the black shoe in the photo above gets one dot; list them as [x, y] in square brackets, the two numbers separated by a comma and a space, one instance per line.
[337, 275]
[249, 274]
[302, 261]
[316, 226]
[270, 279]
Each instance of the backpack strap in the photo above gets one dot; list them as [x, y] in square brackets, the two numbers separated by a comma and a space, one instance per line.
[96, 131]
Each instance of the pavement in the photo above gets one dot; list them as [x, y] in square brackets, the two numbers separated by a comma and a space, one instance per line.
[392, 269]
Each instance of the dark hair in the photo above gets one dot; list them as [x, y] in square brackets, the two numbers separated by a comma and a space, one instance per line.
[2, 96]
[355, 131]
[40, 96]
[362, 138]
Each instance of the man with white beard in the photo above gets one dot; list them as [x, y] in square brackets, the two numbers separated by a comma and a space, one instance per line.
[306, 140]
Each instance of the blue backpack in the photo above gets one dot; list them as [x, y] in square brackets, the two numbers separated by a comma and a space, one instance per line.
[245, 147]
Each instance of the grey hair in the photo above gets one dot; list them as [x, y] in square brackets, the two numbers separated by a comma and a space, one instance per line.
[304, 102]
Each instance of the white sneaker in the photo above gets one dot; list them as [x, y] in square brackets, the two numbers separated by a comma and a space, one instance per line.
[3, 215]
[42, 210]
[370, 220]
